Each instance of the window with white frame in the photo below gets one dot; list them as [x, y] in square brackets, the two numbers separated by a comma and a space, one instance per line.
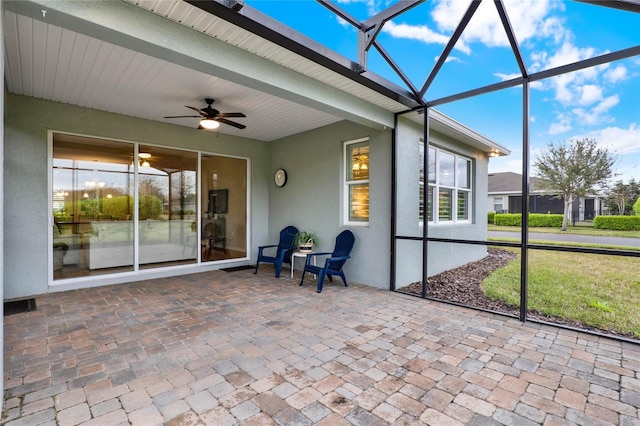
[356, 183]
[498, 204]
[448, 187]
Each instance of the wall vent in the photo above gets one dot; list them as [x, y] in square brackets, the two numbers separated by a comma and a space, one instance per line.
[18, 306]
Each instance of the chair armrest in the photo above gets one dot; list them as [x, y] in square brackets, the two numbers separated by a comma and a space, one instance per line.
[333, 259]
[261, 248]
[310, 256]
[318, 254]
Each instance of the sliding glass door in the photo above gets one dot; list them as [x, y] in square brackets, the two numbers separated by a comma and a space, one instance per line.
[167, 206]
[120, 207]
[224, 208]
[93, 206]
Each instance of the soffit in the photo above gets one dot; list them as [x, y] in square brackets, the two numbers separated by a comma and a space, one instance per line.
[52, 63]
[206, 23]
[445, 125]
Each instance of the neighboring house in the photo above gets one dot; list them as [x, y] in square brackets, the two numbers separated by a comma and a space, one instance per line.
[101, 188]
[505, 196]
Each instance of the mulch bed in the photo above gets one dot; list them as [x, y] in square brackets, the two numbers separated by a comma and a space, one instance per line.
[462, 285]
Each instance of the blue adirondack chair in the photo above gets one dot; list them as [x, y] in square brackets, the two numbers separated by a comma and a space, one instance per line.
[334, 263]
[283, 252]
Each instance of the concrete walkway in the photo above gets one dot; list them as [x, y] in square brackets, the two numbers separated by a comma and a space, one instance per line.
[235, 348]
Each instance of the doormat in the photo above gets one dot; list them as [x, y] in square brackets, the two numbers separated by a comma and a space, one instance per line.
[238, 268]
[19, 306]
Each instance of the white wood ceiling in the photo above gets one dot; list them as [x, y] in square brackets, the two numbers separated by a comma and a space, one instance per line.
[52, 63]
[192, 17]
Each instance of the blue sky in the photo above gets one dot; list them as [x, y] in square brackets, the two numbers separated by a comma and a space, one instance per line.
[602, 102]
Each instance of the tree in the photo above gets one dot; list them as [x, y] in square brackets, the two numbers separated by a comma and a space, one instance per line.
[621, 196]
[573, 169]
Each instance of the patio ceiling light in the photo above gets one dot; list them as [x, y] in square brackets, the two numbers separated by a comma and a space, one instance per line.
[144, 156]
[360, 161]
[209, 124]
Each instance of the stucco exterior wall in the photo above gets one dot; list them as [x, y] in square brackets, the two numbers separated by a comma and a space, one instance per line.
[313, 195]
[491, 200]
[311, 199]
[26, 174]
[441, 256]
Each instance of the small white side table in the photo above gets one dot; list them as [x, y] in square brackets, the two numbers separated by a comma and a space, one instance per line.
[302, 255]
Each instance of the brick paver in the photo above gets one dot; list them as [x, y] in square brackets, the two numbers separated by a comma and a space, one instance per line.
[223, 348]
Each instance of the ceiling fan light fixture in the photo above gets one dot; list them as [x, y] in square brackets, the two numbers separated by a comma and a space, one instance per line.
[145, 163]
[209, 124]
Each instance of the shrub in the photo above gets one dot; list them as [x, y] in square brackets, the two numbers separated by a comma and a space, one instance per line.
[150, 207]
[536, 220]
[636, 207]
[490, 217]
[545, 220]
[508, 219]
[620, 223]
[118, 207]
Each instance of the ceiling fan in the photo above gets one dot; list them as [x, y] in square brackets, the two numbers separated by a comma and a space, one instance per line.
[210, 118]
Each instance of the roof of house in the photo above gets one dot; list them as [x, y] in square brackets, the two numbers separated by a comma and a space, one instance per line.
[510, 182]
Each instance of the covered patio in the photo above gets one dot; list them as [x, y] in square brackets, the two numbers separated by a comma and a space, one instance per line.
[236, 348]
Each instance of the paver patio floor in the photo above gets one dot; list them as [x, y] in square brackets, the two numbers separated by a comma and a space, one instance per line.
[236, 348]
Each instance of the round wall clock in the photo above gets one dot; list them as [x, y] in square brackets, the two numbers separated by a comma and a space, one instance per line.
[280, 177]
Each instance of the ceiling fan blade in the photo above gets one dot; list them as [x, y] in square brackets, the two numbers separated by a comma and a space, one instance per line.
[199, 111]
[230, 123]
[231, 114]
[182, 116]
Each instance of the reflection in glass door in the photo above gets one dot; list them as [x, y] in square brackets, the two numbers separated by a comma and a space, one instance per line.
[224, 208]
[113, 201]
[92, 204]
[167, 206]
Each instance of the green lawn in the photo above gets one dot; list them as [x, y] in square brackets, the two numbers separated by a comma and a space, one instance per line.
[577, 230]
[601, 291]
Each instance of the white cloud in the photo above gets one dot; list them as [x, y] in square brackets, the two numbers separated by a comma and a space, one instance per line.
[569, 53]
[553, 27]
[537, 151]
[505, 77]
[449, 59]
[528, 18]
[597, 114]
[343, 22]
[536, 85]
[619, 140]
[561, 126]
[625, 144]
[590, 94]
[570, 88]
[373, 6]
[561, 84]
[505, 164]
[420, 33]
[616, 74]
[447, 15]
